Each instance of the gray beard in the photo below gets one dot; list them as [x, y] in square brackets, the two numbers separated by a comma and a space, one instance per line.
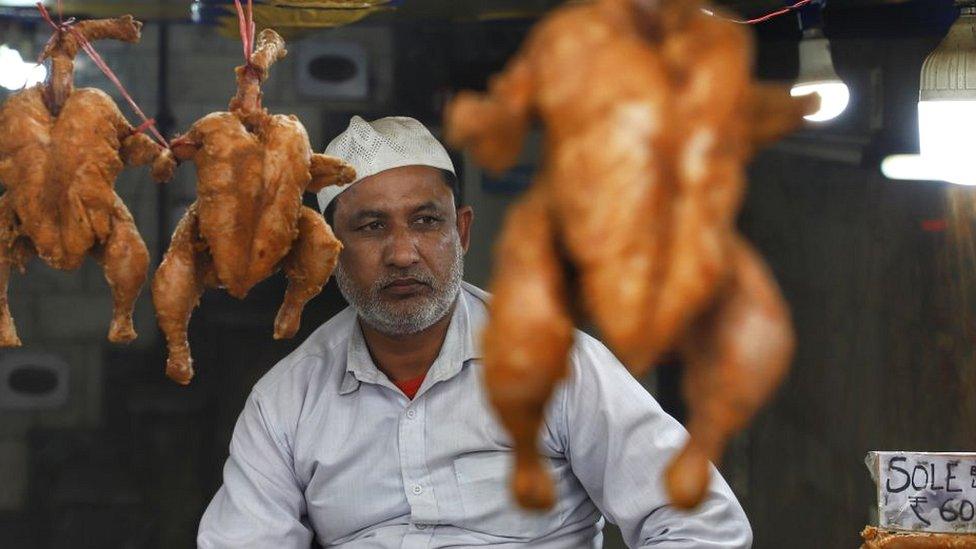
[403, 319]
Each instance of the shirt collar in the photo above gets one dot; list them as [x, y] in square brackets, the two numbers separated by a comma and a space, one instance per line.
[460, 346]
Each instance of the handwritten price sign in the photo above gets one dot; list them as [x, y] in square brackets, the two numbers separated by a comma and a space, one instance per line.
[925, 492]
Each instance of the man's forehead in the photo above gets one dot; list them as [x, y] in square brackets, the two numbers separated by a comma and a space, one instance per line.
[375, 211]
[399, 189]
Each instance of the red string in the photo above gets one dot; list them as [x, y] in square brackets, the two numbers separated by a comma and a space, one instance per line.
[250, 28]
[90, 50]
[240, 26]
[245, 23]
[57, 28]
[147, 123]
[145, 126]
[768, 16]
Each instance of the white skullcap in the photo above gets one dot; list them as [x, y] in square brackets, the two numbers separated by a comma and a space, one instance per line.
[373, 147]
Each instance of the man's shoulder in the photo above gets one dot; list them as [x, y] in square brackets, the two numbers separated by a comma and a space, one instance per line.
[475, 293]
[587, 351]
[314, 359]
[582, 341]
[596, 376]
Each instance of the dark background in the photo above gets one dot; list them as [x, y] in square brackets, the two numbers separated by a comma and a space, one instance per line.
[885, 359]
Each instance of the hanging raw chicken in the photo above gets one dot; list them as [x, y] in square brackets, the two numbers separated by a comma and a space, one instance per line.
[650, 116]
[248, 221]
[61, 150]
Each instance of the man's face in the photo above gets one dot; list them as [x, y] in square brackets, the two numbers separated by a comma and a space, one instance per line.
[404, 245]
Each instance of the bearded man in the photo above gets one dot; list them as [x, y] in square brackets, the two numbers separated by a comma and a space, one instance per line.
[376, 433]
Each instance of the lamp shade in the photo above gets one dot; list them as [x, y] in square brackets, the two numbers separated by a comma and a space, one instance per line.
[949, 72]
[947, 102]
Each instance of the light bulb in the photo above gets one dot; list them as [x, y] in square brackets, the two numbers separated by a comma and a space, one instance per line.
[915, 167]
[817, 75]
[943, 128]
[908, 167]
[36, 73]
[946, 110]
[11, 73]
[834, 98]
[15, 73]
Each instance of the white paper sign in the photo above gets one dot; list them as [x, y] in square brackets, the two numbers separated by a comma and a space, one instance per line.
[925, 491]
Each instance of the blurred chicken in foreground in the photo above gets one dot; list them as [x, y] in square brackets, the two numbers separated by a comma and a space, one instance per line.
[650, 116]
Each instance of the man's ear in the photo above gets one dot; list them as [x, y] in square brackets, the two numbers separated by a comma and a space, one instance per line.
[465, 217]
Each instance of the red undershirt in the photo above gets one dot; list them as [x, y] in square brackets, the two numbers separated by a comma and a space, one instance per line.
[410, 386]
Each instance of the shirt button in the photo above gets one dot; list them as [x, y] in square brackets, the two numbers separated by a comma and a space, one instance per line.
[418, 489]
[411, 414]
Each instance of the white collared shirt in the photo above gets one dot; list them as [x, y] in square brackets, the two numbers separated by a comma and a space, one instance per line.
[327, 446]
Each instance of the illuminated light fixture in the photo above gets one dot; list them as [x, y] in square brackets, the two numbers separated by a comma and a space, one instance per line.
[946, 110]
[914, 167]
[817, 75]
[15, 73]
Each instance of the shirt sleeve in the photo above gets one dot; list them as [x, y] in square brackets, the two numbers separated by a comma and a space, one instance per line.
[619, 441]
[260, 504]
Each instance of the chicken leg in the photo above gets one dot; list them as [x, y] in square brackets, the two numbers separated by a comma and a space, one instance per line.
[270, 48]
[64, 46]
[308, 266]
[736, 354]
[527, 341]
[177, 286]
[125, 260]
[14, 252]
[8, 330]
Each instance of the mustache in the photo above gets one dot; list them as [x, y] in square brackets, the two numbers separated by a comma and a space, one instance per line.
[420, 275]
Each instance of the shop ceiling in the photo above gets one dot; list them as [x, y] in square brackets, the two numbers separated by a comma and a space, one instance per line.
[467, 9]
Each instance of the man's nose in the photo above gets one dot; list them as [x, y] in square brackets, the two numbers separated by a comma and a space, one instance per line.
[401, 250]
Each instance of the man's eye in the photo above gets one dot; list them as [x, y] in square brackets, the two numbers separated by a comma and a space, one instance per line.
[374, 226]
[428, 220]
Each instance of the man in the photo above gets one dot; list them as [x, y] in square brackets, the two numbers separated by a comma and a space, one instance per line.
[376, 433]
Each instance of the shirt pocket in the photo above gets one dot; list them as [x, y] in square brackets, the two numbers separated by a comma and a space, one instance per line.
[488, 505]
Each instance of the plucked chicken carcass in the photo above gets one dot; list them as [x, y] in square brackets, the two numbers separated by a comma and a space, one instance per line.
[248, 220]
[61, 150]
[650, 116]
